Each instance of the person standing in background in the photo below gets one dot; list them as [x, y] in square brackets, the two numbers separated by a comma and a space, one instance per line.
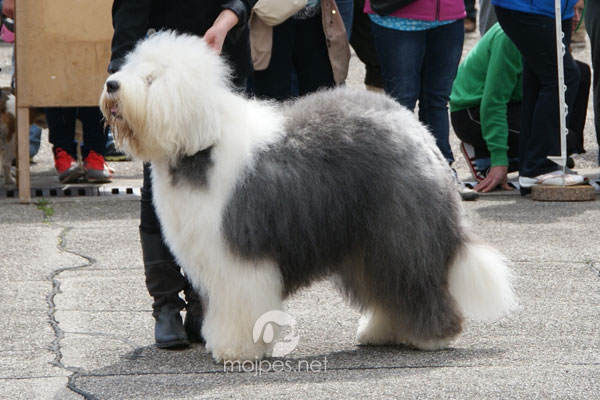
[592, 25]
[471, 18]
[530, 24]
[419, 47]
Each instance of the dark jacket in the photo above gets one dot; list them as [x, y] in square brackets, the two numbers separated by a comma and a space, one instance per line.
[543, 7]
[133, 18]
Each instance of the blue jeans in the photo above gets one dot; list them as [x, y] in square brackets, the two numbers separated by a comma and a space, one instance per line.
[421, 65]
[346, 8]
[35, 139]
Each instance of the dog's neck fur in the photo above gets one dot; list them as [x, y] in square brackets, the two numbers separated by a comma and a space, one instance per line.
[249, 126]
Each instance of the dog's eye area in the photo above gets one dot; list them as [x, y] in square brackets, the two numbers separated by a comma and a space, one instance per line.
[149, 80]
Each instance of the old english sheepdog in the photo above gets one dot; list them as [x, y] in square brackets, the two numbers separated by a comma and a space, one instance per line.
[258, 200]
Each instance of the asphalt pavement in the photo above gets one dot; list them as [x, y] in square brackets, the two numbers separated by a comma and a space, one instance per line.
[77, 317]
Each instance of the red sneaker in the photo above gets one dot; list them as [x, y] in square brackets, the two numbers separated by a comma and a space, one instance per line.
[66, 166]
[96, 169]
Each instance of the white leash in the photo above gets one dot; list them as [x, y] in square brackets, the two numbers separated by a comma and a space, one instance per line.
[562, 106]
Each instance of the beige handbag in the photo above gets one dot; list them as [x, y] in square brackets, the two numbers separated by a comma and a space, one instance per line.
[274, 12]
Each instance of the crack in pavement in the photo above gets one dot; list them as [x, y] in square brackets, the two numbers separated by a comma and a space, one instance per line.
[59, 334]
[54, 324]
[594, 268]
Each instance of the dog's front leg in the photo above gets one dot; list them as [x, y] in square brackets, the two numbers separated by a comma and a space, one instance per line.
[238, 294]
[7, 173]
[7, 169]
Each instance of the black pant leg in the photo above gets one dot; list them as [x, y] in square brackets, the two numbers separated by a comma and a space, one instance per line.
[164, 279]
[592, 26]
[93, 130]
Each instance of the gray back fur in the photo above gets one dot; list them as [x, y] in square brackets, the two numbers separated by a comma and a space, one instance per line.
[355, 188]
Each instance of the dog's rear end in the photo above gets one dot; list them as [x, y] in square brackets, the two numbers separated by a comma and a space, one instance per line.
[480, 282]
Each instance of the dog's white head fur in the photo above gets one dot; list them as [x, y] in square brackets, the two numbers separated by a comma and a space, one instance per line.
[168, 98]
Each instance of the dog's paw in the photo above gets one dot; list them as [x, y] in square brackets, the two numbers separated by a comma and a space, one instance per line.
[369, 338]
[236, 352]
[9, 180]
[431, 344]
[374, 331]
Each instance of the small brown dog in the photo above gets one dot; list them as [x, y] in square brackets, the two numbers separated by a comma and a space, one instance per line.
[8, 131]
[8, 137]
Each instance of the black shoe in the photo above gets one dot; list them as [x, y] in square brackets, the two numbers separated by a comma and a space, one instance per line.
[114, 154]
[193, 328]
[168, 330]
[570, 162]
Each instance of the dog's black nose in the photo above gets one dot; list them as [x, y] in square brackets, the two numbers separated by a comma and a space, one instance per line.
[112, 86]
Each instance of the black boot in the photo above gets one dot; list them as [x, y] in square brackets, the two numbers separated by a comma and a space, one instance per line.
[194, 315]
[164, 282]
[168, 330]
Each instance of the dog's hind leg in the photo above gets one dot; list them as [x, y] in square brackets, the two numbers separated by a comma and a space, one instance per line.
[376, 328]
[431, 319]
[382, 327]
[420, 313]
[238, 294]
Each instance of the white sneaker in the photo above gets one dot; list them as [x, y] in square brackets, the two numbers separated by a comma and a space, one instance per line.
[554, 178]
[466, 194]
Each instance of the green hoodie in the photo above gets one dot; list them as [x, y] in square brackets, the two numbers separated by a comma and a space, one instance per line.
[489, 78]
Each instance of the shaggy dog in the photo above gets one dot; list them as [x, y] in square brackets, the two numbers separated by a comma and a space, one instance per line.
[258, 200]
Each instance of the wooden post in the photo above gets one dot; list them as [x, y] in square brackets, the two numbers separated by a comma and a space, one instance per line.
[23, 177]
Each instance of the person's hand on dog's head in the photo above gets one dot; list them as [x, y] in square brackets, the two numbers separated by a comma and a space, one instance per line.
[215, 35]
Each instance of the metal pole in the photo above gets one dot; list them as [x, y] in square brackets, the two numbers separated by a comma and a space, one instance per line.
[562, 106]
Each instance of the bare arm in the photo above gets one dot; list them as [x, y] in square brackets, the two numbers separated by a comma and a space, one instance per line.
[215, 35]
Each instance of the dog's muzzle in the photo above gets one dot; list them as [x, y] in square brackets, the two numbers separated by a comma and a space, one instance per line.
[112, 89]
[110, 107]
